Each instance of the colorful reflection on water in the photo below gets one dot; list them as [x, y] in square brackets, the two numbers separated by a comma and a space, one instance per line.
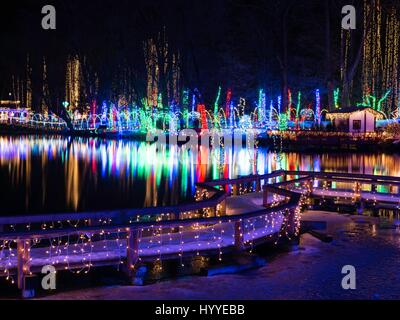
[58, 174]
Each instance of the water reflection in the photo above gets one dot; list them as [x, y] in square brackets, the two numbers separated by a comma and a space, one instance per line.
[59, 174]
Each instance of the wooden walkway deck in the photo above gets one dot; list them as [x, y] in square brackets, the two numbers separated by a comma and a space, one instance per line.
[228, 215]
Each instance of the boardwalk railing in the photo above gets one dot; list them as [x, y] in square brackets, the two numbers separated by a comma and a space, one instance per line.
[362, 189]
[80, 241]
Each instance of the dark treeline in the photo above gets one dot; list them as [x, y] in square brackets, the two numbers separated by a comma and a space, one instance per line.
[238, 44]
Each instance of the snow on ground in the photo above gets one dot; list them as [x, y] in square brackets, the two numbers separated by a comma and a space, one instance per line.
[247, 203]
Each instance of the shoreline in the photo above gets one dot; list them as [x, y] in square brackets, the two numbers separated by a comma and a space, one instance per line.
[328, 141]
[304, 141]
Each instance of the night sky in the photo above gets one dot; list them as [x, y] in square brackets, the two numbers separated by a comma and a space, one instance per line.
[232, 43]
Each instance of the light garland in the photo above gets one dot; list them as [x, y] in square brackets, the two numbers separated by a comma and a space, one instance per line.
[155, 241]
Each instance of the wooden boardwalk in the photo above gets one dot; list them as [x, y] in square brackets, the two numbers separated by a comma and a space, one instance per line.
[227, 215]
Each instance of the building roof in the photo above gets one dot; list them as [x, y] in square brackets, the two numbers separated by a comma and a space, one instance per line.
[10, 102]
[347, 111]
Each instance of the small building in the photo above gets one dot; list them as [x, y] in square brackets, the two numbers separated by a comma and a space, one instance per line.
[12, 109]
[355, 119]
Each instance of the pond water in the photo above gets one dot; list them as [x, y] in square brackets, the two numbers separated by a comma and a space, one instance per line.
[62, 174]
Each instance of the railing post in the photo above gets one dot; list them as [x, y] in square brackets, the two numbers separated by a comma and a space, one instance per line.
[265, 197]
[357, 190]
[213, 211]
[222, 210]
[373, 187]
[23, 254]
[311, 184]
[235, 189]
[291, 222]
[239, 240]
[132, 253]
[258, 185]
[360, 208]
